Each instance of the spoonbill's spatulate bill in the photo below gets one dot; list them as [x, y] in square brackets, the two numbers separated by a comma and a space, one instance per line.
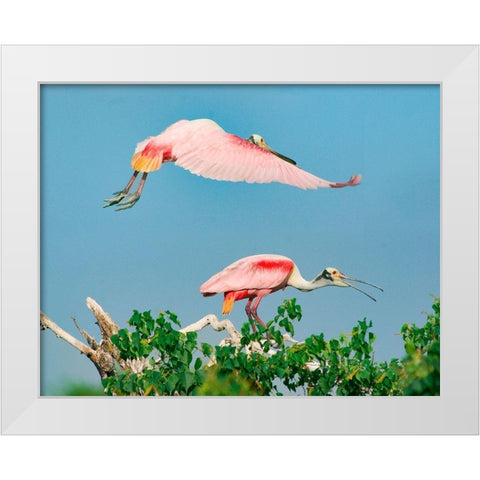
[256, 276]
[204, 148]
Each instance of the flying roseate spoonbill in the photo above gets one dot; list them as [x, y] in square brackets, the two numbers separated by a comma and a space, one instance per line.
[204, 148]
[256, 276]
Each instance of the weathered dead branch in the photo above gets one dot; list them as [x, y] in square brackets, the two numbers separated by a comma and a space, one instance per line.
[217, 325]
[103, 354]
[107, 326]
[101, 358]
[46, 322]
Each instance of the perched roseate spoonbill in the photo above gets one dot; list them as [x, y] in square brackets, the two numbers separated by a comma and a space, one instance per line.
[256, 276]
[204, 148]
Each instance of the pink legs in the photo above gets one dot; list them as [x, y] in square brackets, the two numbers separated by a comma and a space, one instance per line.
[131, 199]
[252, 311]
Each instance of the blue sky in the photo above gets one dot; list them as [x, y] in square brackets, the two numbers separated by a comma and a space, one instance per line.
[186, 228]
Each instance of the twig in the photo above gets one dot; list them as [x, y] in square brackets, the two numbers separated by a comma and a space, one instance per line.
[91, 341]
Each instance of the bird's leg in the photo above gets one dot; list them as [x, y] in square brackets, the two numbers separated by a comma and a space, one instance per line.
[133, 198]
[249, 314]
[253, 311]
[121, 194]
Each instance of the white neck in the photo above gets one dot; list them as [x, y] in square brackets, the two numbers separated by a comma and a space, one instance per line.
[297, 281]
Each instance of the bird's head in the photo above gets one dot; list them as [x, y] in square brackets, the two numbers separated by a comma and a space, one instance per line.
[257, 140]
[260, 142]
[333, 276]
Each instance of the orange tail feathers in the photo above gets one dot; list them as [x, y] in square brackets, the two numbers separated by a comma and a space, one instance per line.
[228, 302]
[145, 163]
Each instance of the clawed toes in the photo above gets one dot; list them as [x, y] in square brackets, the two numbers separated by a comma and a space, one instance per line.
[113, 201]
[130, 201]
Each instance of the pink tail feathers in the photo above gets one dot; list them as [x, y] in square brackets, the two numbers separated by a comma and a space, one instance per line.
[354, 181]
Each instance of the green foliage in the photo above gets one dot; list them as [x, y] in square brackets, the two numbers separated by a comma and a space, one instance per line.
[421, 367]
[218, 383]
[342, 366]
[179, 365]
[170, 353]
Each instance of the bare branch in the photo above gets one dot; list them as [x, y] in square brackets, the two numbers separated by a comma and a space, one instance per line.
[311, 366]
[103, 354]
[46, 322]
[217, 325]
[91, 341]
[288, 338]
[107, 326]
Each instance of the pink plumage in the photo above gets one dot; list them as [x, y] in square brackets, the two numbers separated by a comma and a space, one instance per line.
[250, 277]
[204, 148]
[257, 272]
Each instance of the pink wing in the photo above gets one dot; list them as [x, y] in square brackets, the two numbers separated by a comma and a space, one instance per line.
[213, 153]
[255, 272]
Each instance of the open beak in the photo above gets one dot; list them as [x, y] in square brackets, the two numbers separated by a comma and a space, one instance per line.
[341, 282]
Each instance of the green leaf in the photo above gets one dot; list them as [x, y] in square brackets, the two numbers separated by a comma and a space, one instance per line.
[128, 384]
[363, 374]
[410, 348]
[171, 383]
[135, 318]
[188, 380]
[135, 342]
[173, 317]
[245, 329]
[334, 344]
[289, 328]
[228, 364]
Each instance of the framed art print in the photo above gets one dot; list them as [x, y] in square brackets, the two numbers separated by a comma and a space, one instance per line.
[195, 294]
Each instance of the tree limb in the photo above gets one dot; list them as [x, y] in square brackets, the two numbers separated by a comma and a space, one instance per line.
[46, 322]
[107, 326]
[217, 325]
[101, 354]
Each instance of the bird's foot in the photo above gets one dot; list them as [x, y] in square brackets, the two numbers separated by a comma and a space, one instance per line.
[129, 202]
[113, 201]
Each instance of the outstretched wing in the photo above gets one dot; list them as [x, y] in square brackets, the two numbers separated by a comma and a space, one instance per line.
[223, 156]
[255, 272]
